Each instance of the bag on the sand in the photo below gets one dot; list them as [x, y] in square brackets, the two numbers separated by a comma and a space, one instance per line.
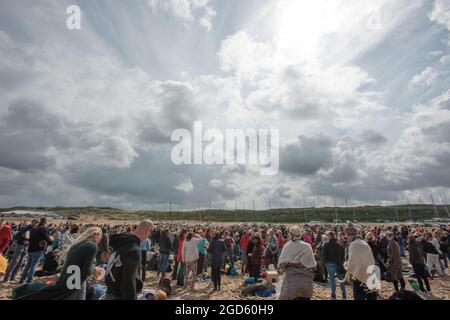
[262, 285]
[263, 294]
[164, 285]
[405, 295]
[250, 280]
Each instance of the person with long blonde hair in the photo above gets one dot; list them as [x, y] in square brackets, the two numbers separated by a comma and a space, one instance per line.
[77, 260]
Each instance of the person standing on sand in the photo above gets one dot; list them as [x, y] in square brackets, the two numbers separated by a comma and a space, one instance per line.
[122, 279]
[189, 257]
[395, 262]
[296, 266]
[5, 236]
[217, 250]
[360, 258]
[202, 253]
[256, 258]
[165, 247]
[245, 239]
[144, 247]
[39, 239]
[20, 251]
[418, 264]
[432, 254]
[332, 256]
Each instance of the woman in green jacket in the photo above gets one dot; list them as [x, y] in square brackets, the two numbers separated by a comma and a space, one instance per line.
[78, 260]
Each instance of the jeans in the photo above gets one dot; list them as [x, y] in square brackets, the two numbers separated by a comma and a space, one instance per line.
[361, 292]
[20, 251]
[231, 258]
[30, 268]
[332, 270]
[162, 265]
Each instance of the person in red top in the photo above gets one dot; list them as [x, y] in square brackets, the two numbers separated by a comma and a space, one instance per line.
[5, 236]
[180, 274]
[244, 245]
[281, 242]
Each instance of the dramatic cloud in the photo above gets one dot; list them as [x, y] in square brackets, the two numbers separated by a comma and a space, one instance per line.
[86, 116]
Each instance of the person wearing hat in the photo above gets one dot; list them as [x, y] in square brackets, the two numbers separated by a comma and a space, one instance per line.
[296, 266]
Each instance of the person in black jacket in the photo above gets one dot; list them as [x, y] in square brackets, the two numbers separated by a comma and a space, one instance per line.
[39, 240]
[165, 247]
[123, 280]
[333, 255]
[20, 251]
[217, 250]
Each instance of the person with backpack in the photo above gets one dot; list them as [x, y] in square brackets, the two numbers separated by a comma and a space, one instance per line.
[21, 239]
[333, 256]
[39, 240]
[202, 248]
[217, 250]
[122, 277]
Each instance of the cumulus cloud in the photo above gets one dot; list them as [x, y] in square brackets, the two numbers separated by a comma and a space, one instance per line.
[186, 186]
[441, 13]
[307, 156]
[187, 11]
[426, 78]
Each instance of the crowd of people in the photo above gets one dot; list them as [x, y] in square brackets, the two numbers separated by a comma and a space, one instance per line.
[114, 259]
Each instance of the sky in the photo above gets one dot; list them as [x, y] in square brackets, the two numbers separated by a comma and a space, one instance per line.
[360, 91]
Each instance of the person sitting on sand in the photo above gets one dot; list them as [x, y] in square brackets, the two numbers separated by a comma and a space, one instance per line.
[81, 254]
[296, 265]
